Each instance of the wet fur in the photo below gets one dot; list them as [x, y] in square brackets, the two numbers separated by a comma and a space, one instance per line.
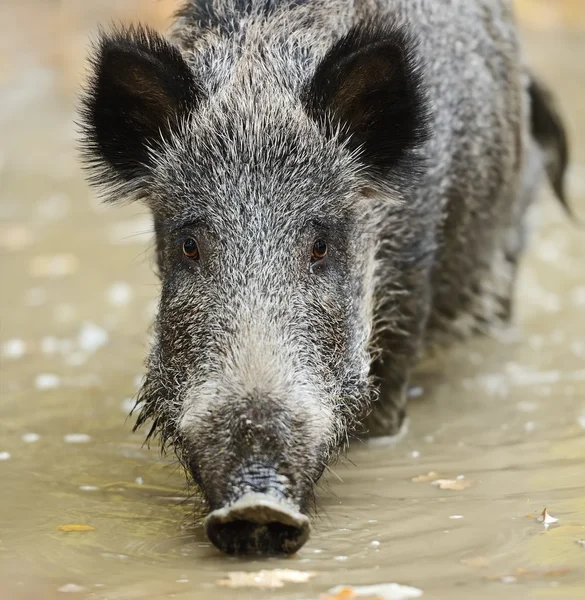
[401, 131]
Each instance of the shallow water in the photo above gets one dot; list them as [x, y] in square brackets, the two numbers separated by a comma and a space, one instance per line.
[77, 297]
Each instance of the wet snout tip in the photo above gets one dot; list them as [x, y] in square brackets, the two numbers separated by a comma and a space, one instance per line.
[257, 524]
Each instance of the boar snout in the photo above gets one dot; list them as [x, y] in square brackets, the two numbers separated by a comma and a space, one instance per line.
[257, 524]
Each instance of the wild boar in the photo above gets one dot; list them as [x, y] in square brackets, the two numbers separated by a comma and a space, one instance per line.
[336, 185]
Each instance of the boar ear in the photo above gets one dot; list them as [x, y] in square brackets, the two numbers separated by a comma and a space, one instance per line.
[368, 87]
[139, 90]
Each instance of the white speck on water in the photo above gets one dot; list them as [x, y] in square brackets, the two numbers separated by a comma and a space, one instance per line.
[508, 579]
[372, 520]
[578, 296]
[526, 406]
[35, 297]
[494, 384]
[375, 543]
[65, 313]
[415, 454]
[47, 381]
[548, 251]
[4, 455]
[182, 581]
[151, 310]
[57, 265]
[456, 517]
[71, 588]
[88, 488]
[581, 543]
[529, 426]
[30, 438]
[460, 477]
[415, 392]
[132, 231]
[139, 480]
[49, 345]
[341, 558]
[127, 405]
[119, 293]
[100, 585]
[383, 591]
[53, 208]
[317, 551]
[91, 337]
[76, 359]
[77, 438]
[14, 348]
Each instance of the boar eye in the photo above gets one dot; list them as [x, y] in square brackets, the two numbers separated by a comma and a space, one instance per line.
[190, 249]
[319, 250]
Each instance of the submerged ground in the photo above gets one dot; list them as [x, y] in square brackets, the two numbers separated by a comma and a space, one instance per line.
[77, 296]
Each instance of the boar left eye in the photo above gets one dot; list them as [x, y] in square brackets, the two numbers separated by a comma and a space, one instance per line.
[319, 250]
[191, 249]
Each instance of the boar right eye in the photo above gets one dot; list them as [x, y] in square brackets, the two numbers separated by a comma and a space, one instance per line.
[190, 249]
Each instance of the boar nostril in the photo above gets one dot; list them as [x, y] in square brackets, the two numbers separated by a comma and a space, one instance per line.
[257, 524]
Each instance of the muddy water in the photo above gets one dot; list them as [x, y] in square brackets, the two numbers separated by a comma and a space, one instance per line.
[77, 297]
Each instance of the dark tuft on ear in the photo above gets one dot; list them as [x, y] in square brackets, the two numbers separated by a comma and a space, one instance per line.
[139, 90]
[368, 86]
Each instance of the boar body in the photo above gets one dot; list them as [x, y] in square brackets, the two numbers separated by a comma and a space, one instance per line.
[336, 186]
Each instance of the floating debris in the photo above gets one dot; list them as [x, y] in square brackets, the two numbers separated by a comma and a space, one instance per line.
[14, 348]
[581, 543]
[546, 519]
[265, 579]
[453, 484]
[4, 455]
[456, 517]
[71, 588]
[57, 265]
[47, 381]
[119, 293]
[88, 488]
[341, 558]
[75, 528]
[30, 438]
[91, 337]
[77, 438]
[430, 476]
[383, 591]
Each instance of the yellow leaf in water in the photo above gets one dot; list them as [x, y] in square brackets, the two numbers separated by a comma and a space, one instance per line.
[75, 528]
[345, 593]
[265, 579]
[453, 484]
[381, 591]
[430, 476]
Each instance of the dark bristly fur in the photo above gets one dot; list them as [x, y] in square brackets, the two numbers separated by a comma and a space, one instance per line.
[402, 133]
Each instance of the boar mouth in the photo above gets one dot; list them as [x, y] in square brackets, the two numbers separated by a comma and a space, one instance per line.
[257, 524]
